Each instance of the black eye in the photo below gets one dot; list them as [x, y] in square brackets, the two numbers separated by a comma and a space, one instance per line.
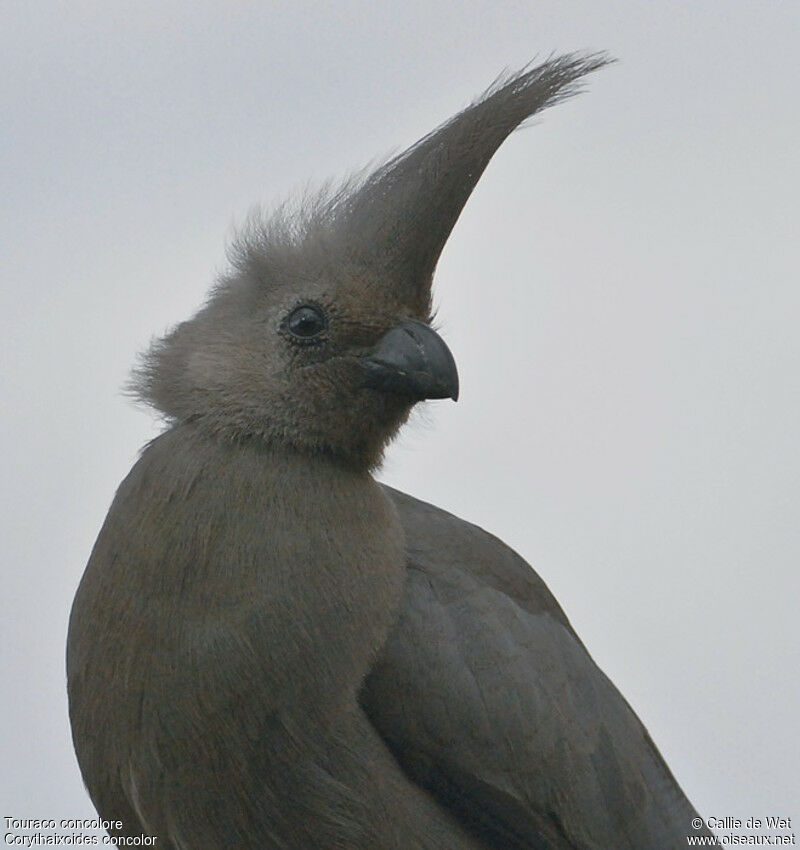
[306, 323]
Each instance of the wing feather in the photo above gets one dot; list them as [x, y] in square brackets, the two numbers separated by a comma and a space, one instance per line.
[488, 699]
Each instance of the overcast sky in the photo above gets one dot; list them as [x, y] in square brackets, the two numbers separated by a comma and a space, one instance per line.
[621, 295]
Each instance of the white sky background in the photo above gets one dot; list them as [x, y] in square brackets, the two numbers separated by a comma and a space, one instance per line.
[621, 295]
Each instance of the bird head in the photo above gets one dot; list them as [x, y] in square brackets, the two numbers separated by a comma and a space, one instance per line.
[319, 338]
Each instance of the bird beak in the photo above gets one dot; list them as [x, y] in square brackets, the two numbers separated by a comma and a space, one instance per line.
[412, 360]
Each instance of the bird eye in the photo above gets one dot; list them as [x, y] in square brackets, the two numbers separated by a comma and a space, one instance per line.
[306, 323]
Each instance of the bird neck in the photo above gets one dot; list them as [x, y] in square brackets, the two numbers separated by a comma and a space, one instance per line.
[303, 553]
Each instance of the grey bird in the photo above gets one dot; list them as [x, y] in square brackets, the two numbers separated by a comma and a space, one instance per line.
[269, 649]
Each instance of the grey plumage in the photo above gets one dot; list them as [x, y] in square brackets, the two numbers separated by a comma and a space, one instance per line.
[270, 650]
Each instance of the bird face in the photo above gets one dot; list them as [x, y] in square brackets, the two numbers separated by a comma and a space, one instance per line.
[316, 356]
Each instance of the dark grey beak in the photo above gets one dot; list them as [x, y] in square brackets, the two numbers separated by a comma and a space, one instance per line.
[412, 360]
